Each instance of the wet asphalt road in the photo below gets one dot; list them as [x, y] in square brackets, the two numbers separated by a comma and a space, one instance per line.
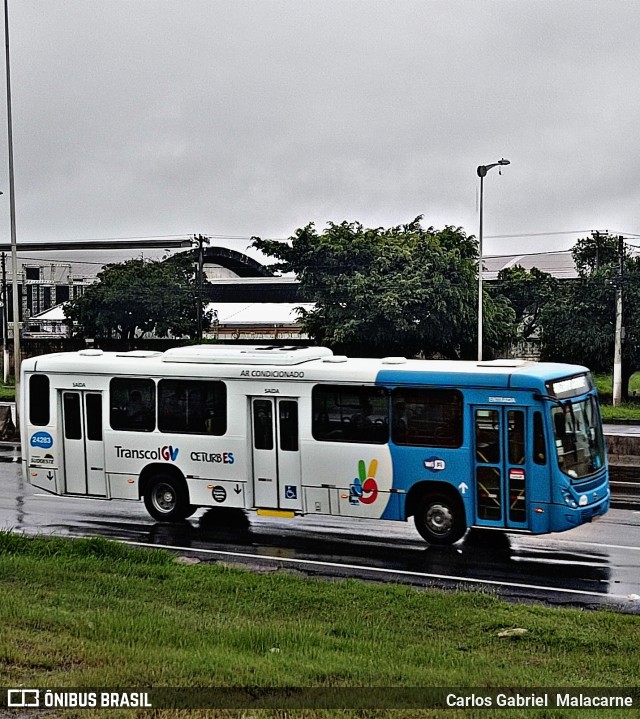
[594, 565]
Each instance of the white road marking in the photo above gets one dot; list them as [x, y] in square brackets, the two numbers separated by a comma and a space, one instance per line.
[597, 544]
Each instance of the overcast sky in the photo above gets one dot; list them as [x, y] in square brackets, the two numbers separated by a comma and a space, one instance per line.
[141, 118]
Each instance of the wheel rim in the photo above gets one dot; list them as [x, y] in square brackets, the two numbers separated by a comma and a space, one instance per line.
[439, 519]
[164, 498]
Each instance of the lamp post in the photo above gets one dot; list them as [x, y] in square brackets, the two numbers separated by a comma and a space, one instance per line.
[482, 171]
[12, 208]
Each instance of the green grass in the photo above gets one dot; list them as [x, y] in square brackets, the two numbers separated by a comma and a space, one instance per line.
[7, 391]
[626, 410]
[92, 613]
[622, 411]
[604, 383]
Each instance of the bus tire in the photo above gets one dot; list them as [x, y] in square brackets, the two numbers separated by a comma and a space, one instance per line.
[166, 499]
[439, 518]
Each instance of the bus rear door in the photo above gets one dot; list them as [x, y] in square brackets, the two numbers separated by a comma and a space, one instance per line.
[502, 467]
[83, 443]
[276, 454]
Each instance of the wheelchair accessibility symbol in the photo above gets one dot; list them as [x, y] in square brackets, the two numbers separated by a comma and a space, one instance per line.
[290, 491]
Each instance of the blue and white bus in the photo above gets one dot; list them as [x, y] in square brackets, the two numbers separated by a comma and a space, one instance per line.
[288, 431]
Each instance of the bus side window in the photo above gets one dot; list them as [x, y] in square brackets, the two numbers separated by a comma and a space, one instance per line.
[72, 416]
[350, 413]
[133, 404]
[487, 436]
[94, 417]
[39, 399]
[192, 406]
[426, 417]
[288, 425]
[516, 436]
[539, 445]
[262, 424]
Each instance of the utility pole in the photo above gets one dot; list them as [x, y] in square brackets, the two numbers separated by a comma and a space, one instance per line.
[201, 240]
[617, 353]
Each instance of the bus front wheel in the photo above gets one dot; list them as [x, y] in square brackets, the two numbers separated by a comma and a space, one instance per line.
[166, 499]
[439, 519]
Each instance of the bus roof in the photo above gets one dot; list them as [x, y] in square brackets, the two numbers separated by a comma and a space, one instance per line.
[307, 363]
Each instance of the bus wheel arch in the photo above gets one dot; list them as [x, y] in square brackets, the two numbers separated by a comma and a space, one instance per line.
[438, 512]
[165, 493]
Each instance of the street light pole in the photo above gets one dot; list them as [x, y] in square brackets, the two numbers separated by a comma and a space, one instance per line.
[482, 171]
[12, 206]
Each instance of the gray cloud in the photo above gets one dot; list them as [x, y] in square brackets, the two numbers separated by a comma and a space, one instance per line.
[241, 117]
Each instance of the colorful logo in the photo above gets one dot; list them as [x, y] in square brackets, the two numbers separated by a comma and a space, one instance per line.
[364, 488]
[169, 453]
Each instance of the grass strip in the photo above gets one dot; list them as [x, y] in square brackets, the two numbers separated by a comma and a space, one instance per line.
[95, 613]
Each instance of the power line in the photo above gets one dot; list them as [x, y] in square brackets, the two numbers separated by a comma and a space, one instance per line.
[539, 234]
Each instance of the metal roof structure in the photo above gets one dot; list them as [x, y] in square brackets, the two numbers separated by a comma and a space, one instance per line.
[558, 264]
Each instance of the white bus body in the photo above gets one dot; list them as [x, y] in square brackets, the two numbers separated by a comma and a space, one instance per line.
[242, 427]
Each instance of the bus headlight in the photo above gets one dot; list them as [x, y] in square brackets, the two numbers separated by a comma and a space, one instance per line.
[568, 497]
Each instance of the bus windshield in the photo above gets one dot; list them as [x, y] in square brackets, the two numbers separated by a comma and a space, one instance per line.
[578, 437]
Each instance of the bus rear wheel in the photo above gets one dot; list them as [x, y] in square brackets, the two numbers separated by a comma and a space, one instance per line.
[166, 499]
[439, 519]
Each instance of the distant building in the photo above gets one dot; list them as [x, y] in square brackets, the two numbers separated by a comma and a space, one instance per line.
[257, 321]
[50, 324]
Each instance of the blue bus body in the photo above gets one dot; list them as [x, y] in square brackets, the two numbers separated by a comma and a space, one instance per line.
[554, 501]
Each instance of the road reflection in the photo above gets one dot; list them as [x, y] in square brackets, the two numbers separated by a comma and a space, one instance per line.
[487, 556]
[585, 570]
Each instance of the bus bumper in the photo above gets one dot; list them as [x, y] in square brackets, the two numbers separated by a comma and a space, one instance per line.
[563, 518]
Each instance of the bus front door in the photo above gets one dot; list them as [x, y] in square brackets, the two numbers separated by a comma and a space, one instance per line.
[83, 444]
[276, 454]
[501, 467]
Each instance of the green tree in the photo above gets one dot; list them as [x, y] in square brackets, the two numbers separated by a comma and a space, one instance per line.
[598, 252]
[579, 326]
[528, 292]
[401, 290]
[138, 296]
